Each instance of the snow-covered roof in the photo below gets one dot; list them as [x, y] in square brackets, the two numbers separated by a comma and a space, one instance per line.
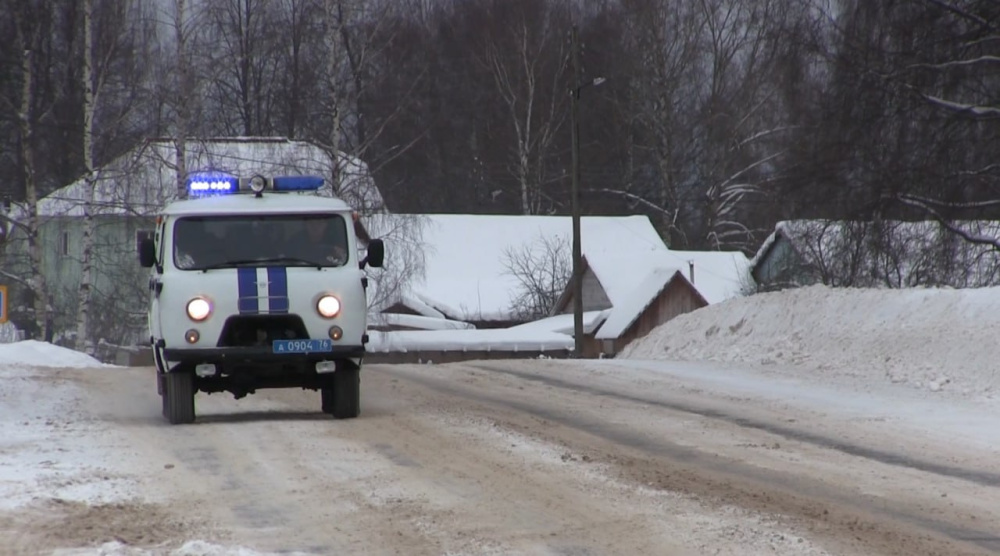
[418, 322]
[717, 275]
[421, 305]
[624, 314]
[563, 324]
[466, 275]
[465, 271]
[143, 180]
[635, 274]
[910, 253]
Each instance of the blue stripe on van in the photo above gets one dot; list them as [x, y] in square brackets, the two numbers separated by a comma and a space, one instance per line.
[277, 289]
[247, 300]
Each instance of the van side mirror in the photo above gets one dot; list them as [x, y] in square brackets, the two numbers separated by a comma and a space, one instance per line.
[376, 254]
[147, 252]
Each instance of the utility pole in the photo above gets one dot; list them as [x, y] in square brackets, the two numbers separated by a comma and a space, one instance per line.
[577, 249]
[577, 279]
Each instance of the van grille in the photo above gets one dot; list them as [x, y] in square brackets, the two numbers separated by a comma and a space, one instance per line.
[261, 330]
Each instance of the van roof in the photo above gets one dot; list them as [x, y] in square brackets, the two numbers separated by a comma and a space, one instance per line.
[246, 203]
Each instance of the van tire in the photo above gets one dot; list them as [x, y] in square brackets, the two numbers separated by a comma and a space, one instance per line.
[178, 397]
[346, 392]
[326, 396]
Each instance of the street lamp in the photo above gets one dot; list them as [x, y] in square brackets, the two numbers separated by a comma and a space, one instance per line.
[577, 249]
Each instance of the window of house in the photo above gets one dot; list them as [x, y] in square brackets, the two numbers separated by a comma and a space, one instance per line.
[64, 244]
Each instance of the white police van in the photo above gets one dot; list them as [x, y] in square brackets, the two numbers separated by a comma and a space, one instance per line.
[257, 283]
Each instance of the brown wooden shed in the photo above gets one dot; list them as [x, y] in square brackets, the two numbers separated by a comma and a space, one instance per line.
[665, 293]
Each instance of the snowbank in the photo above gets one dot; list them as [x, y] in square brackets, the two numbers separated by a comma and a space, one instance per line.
[500, 339]
[44, 354]
[933, 339]
[190, 548]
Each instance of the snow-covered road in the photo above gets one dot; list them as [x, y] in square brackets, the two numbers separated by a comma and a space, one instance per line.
[494, 457]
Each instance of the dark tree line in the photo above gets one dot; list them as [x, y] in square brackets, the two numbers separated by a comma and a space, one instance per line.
[717, 117]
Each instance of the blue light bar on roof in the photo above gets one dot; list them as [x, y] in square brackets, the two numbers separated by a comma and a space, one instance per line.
[203, 184]
[297, 183]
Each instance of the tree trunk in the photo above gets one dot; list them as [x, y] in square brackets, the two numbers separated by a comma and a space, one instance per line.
[183, 96]
[89, 96]
[39, 289]
[334, 22]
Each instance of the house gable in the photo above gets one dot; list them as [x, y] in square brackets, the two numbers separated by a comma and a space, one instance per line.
[711, 277]
[595, 297]
[676, 298]
[780, 264]
[665, 292]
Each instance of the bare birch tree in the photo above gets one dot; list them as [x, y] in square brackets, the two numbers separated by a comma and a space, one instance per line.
[90, 179]
[664, 40]
[740, 118]
[182, 98]
[954, 75]
[404, 258]
[529, 68]
[303, 19]
[246, 64]
[542, 268]
[105, 43]
[354, 30]
[28, 36]
[333, 105]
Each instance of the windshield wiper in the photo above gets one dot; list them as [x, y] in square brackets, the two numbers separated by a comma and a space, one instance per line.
[286, 260]
[260, 261]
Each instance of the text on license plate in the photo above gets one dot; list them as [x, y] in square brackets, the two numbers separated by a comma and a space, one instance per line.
[302, 346]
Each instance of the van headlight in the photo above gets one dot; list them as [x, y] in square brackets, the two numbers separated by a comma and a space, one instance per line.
[198, 309]
[328, 306]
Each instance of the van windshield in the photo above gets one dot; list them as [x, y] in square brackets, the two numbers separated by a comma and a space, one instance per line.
[204, 242]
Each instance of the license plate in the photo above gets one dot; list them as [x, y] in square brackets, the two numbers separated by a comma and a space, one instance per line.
[301, 346]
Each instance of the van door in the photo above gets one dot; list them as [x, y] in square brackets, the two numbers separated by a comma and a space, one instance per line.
[156, 283]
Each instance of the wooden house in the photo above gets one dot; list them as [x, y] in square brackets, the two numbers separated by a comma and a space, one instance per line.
[641, 284]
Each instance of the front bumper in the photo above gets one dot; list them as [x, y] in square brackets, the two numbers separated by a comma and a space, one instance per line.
[257, 355]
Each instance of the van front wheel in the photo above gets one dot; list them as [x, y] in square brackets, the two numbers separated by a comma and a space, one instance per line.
[346, 395]
[178, 397]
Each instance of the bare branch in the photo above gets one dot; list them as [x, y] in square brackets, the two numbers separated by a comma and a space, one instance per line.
[958, 63]
[632, 196]
[916, 200]
[973, 109]
[962, 13]
[977, 239]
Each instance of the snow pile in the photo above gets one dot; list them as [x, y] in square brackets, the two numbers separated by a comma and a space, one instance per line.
[933, 339]
[190, 548]
[44, 354]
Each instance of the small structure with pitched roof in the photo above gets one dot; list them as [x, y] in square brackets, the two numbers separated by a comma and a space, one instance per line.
[641, 285]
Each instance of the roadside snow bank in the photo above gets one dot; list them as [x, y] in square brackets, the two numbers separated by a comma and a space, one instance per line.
[43, 354]
[932, 339]
[190, 548]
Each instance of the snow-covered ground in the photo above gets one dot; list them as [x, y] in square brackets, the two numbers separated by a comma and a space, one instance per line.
[935, 348]
[44, 451]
